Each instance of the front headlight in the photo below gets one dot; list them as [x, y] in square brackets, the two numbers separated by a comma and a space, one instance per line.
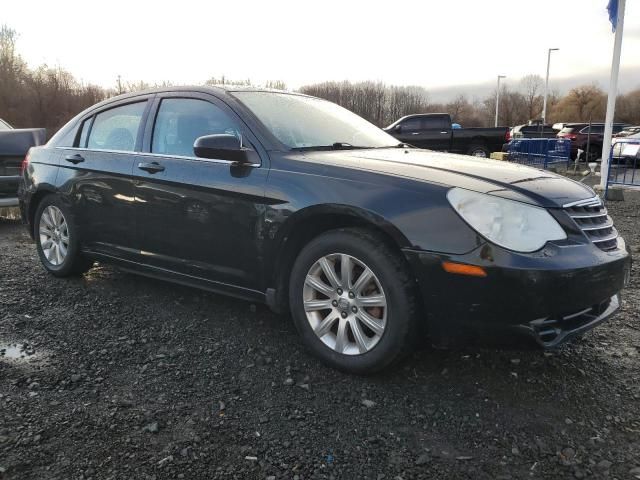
[513, 225]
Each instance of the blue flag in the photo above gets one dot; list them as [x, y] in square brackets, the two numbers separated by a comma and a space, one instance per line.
[613, 13]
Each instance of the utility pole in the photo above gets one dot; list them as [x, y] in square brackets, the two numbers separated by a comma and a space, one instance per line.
[546, 86]
[611, 98]
[498, 97]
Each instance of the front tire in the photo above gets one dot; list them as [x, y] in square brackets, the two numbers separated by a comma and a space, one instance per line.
[57, 240]
[353, 301]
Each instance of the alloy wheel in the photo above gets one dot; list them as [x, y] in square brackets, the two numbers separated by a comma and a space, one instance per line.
[345, 304]
[479, 153]
[53, 235]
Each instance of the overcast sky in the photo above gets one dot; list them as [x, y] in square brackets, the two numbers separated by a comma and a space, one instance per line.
[428, 43]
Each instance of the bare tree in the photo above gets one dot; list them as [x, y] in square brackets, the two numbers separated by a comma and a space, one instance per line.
[582, 104]
[531, 86]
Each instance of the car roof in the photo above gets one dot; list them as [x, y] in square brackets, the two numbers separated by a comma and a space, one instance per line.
[593, 124]
[218, 90]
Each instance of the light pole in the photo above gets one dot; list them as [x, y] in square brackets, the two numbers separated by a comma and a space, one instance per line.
[546, 86]
[498, 97]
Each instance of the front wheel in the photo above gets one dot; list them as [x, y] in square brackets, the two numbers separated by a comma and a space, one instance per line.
[352, 300]
[56, 239]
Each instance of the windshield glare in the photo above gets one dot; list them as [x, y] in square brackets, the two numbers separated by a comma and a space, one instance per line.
[307, 122]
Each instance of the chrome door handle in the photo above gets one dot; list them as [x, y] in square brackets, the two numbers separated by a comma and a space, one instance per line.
[75, 158]
[153, 167]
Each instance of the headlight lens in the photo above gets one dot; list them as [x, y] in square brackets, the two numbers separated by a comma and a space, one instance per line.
[513, 225]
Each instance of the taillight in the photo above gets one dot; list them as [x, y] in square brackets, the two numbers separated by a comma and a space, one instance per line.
[570, 136]
[25, 163]
[507, 136]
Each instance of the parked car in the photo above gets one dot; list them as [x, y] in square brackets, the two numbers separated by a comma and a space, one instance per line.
[587, 139]
[627, 131]
[296, 202]
[626, 151]
[14, 144]
[434, 131]
[533, 131]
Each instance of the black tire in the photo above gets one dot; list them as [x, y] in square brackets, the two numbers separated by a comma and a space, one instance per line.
[595, 153]
[397, 283]
[74, 263]
[479, 150]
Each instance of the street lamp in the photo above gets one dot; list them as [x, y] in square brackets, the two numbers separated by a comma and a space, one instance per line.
[498, 97]
[546, 87]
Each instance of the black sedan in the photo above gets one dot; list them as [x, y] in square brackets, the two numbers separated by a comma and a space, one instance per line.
[293, 201]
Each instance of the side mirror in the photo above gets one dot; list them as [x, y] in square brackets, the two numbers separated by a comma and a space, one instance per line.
[398, 128]
[222, 147]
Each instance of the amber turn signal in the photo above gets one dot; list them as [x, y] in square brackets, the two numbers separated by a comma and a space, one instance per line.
[464, 269]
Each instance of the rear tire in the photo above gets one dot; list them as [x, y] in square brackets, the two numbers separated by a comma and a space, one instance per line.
[57, 240]
[595, 153]
[479, 150]
[360, 322]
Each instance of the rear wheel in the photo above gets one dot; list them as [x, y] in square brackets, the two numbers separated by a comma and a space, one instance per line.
[479, 150]
[56, 239]
[353, 301]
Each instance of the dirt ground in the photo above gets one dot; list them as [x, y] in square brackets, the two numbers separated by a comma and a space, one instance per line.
[115, 376]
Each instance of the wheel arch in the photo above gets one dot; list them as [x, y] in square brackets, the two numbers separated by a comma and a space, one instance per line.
[305, 225]
[34, 201]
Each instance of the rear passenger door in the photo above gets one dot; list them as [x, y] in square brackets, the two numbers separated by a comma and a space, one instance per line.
[96, 176]
[436, 132]
[199, 217]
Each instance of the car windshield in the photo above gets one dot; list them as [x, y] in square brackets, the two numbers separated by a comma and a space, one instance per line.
[306, 122]
[4, 125]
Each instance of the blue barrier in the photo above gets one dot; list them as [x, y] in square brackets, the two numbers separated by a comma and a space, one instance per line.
[540, 152]
[624, 164]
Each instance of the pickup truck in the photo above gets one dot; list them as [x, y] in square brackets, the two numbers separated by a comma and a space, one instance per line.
[434, 131]
[14, 145]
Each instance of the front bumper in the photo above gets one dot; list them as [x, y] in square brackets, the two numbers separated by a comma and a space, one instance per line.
[549, 296]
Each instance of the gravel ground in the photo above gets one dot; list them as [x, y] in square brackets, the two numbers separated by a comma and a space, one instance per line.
[117, 376]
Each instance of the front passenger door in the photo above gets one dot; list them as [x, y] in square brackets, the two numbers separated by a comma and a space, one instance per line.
[199, 217]
[409, 131]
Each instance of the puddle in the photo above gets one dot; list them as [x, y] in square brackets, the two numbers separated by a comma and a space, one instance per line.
[17, 351]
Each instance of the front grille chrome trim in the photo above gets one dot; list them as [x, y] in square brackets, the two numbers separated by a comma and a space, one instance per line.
[587, 202]
[611, 236]
[591, 217]
[603, 226]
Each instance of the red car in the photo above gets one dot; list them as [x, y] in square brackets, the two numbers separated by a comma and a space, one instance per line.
[582, 136]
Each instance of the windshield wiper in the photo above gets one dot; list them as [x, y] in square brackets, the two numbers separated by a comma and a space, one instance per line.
[334, 146]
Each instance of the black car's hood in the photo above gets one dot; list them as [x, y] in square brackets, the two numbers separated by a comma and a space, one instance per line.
[500, 178]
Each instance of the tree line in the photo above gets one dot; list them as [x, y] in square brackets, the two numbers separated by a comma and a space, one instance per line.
[48, 97]
[383, 104]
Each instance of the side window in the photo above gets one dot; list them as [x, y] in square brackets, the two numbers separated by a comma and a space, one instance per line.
[411, 124]
[117, 128]
[434, 123]
[84, 132]
[595, 129]
[181, 120]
